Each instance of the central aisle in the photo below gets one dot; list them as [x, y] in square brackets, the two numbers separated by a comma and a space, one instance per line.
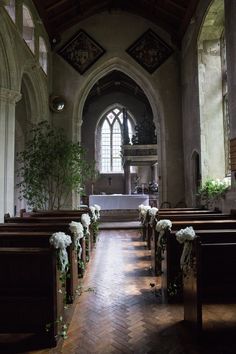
[117, 311]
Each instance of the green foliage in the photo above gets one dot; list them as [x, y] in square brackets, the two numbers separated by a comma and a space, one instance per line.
[211, 191]
[51, 167]
[95, 230]
[175, 288]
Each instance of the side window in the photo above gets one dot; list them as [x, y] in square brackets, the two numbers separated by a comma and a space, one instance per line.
[43, 55]
[28, 28]
[11, 9]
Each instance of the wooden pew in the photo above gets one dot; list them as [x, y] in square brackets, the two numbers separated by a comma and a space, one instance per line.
[180, 209]
[31, 292]
[72, 279]
[178, 215]
[54, 213]
[176, 212]
[66, 213]
[54, 219]
[170, 266]
[211, 280]
[209, 216]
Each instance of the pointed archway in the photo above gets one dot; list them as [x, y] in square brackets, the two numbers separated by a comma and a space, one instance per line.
[151, 94]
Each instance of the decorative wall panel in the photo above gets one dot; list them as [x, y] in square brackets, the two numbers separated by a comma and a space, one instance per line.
[150, 51]
[81, 51]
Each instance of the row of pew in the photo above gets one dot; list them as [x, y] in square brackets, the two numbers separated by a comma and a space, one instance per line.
[211, 278]
[35, 296]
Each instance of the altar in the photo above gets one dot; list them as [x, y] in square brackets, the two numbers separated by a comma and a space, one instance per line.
[119, 201]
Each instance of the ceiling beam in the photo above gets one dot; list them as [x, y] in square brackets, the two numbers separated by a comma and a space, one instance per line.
[178, 6]
[55, 5]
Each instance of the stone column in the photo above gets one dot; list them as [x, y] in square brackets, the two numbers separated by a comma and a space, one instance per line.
[230, 36]
[8, 99]
[127, 178]
[155, 172]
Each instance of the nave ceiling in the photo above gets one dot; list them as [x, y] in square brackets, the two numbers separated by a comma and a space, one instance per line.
[171, 15]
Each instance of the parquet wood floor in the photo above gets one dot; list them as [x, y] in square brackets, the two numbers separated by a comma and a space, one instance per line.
[119, 312]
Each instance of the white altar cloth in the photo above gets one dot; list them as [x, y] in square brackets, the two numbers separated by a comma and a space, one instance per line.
[119, 201]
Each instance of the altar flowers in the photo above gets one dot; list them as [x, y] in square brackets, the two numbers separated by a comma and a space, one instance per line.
[161, 227]
[61, 241]
[78, 231]
[186, 236]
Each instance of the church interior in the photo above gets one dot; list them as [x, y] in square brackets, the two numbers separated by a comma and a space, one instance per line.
[146, 89]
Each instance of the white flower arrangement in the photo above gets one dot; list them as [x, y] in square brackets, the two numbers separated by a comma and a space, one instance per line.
[61, 241]
[143, 209]
[78, 231]
[97, 210]
[86, 221]
[186, 236]
[161, 227]
[93, 212]
[152, 212]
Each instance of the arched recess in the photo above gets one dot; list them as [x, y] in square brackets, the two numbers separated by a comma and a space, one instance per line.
[27, 113]
[37, 89]
[212, 76]
[150, 92]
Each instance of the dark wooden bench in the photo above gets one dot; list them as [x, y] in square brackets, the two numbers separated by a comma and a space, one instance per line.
[211, 280]
[54, 219]
[54, 213]
[31, 292]
[74, 270]
[170, 265]
[207, 216]
[175, 217]
[179, 209]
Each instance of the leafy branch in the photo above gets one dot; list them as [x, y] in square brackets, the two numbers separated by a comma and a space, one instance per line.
[51, 167]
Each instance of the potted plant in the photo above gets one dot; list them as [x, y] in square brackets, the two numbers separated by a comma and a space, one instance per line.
[51, 167]
[212, 191]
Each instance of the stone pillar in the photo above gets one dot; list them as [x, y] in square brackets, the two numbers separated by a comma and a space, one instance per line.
[230, 36]
[155, 172]
[8, 99]
[127, 178]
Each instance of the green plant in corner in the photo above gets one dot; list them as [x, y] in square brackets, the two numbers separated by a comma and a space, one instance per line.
[51, 167]
[211, 191]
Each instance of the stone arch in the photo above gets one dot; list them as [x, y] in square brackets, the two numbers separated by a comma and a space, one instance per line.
[152, 95]
[37, 93]
[28, 113]
[9, 74]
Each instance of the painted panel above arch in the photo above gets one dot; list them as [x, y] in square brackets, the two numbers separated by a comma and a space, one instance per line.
[81, 51]
[150, 51]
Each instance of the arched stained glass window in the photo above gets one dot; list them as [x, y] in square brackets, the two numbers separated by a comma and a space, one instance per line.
[111, 141]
